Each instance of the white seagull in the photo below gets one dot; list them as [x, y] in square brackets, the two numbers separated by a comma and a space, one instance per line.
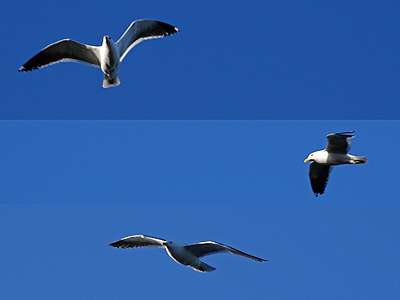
[188, 255]
[334, 154]
[108, 56]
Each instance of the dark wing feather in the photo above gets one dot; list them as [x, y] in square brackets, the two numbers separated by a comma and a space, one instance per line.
[64, 50]
[339, 142]
[136, 241]
[207, 248]
[319, 174]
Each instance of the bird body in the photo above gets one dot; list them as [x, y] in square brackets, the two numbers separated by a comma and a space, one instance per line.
[334, 159]
[334, 154]
[188, 255]
[179, 254]
[108, 56]
[109, 62]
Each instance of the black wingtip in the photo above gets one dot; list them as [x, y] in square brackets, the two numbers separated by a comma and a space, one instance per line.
[25, 68]
[346, 132]
[174, 30]
[115, 244]
[320, 190]
[169, 29]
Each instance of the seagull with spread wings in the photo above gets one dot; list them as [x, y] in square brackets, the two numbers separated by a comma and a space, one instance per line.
[334, 154]
[107, 56]
[188, 255]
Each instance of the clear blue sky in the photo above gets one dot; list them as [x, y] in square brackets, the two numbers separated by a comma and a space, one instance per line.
[71, 185]
[68, 188]
[231, 60]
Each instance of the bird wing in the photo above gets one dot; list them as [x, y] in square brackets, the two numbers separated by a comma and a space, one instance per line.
[135, 241]
[319, 174]
[64, 50]
[339, 142]
[207, 248]
[142, 30]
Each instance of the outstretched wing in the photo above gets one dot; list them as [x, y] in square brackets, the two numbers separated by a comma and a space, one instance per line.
[64, 50]
[319, 174]
[339, 142]
[207, 248]
[135, 241]
[142, 30]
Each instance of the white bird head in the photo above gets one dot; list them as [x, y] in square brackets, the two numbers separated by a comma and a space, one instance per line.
[107, 39]
[310, 157]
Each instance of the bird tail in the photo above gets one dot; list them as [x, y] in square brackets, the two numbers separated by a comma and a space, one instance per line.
[358, 160]
[203, 267]
[108, 82]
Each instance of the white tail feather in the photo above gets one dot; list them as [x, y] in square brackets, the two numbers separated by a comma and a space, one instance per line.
[203, 267]
[108, 82]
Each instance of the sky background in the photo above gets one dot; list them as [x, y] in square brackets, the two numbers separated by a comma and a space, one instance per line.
[203, 140]
[69, 188]
[230, 60]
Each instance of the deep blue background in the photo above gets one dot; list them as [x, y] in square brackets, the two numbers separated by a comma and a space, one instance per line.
[230, 60]
[69, 188]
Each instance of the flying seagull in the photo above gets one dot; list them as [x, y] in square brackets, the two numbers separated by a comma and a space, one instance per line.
[108, 56]
[188, 255]
[334, 154]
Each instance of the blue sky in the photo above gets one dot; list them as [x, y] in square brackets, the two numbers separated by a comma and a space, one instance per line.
[203, 140]
[68, 188]
[230, 60]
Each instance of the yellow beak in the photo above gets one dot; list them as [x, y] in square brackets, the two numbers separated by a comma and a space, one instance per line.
[306, 160]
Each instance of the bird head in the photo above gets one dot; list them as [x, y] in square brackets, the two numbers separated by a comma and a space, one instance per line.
[107, 39]
[310, 157]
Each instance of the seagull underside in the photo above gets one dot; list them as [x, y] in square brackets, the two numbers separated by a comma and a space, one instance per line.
[334, 154]
[107, 56]
[188, 255]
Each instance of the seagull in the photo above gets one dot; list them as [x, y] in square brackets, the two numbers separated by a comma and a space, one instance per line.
[334, 154]
[108, 56]
[188, 255]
